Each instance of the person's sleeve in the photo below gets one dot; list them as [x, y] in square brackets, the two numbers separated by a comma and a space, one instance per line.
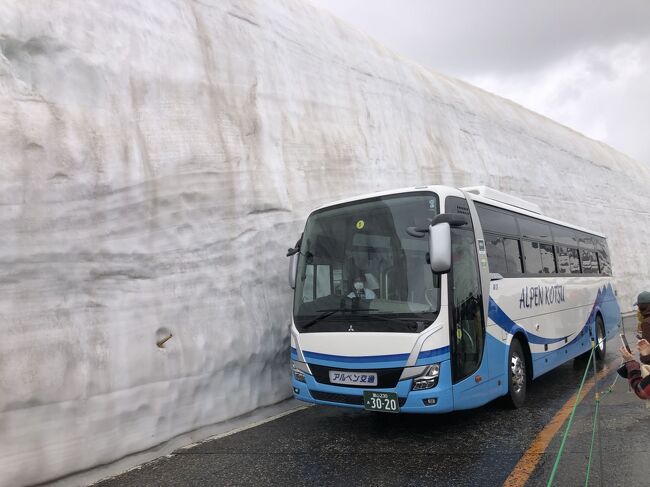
[640, 385]
[645, 359]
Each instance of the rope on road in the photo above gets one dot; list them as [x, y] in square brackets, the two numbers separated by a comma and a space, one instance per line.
[599, 398]
[595, 431]
[593, 437]
[570, 422]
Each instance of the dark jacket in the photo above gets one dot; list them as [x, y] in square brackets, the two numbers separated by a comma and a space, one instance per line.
[632, 372]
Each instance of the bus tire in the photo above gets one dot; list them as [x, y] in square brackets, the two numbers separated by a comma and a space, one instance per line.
[601, 343]
[517, 376]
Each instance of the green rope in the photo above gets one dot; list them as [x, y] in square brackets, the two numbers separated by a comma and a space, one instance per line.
[568, 427]
[599, 398]
[593, 439]
[609, 389]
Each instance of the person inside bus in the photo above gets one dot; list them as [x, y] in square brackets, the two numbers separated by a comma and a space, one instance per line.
[637, 374]
[360, 290]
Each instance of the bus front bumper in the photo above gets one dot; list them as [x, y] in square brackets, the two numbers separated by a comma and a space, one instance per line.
[429, 401]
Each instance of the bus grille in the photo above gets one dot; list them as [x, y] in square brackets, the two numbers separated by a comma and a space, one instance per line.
[344, 398]
[385, 377]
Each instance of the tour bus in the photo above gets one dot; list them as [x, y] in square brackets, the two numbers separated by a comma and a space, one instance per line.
[433, 299]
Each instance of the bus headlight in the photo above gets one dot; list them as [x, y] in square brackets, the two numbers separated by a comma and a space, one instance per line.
[299, 369]
[428, 379]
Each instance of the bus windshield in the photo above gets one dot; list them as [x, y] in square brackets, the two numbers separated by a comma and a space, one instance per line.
[359, 270]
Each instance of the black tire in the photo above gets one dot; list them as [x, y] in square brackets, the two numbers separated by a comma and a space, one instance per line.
[601, 344]
[517, 376]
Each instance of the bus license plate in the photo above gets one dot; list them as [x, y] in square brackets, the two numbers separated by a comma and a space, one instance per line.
[381, 401]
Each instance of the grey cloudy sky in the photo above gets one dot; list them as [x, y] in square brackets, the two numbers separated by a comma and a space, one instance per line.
[583, 63]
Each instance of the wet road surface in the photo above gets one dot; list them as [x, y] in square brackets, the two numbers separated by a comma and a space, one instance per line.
[324, 445]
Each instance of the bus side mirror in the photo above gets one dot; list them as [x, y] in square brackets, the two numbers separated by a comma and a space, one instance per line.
[440, 247]
[293, 269]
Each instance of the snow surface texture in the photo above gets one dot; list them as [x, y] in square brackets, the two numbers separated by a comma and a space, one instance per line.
[156, 160]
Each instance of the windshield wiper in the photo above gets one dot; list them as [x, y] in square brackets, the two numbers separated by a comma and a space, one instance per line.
[329, 312]
[320, 317]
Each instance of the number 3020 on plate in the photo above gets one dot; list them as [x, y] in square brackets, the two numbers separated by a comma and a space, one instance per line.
[381, 401]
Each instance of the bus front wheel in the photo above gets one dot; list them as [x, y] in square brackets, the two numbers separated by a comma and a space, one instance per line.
[517, 376]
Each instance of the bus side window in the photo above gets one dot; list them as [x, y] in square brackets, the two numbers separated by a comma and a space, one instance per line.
[574, 261]
[548, 259]
[567, 260]
[496, 254]
[534, 229]
[565, 236]
[563, 264]
[604, 265]
[589, 262]
[496, 221]
[513, 256]
[532, 257]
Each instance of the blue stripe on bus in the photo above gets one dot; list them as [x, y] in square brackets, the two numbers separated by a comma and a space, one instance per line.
[294, 353]
[433, 353]
[374, 358]
[502, 320]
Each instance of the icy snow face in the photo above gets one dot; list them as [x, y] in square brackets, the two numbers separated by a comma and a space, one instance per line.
[156, 160]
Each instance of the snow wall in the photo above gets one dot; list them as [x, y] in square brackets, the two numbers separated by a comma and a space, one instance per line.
[158, 157]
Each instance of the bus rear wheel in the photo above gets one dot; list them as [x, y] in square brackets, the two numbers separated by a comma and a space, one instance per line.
[517, 376]
[601, 344]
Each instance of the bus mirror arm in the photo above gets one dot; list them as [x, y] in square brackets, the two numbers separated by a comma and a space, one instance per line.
[293, 263]
[417, 232]
[296, 248]
[453, 219]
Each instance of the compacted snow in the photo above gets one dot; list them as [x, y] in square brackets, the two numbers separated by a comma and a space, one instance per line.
[156, 160]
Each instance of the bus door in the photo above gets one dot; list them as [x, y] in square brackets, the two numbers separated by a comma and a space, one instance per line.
[467, 324]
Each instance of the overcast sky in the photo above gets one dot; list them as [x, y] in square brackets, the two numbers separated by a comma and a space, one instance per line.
[583, 63]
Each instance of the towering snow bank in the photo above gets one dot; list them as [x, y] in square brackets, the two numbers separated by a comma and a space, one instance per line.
[157, 158]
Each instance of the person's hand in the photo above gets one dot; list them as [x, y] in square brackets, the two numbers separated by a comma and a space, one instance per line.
[627, 356]
[643, 346]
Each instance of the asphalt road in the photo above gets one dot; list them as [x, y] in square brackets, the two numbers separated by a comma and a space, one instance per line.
[324, 445]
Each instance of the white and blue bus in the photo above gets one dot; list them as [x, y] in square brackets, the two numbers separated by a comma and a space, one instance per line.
[433, 299]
